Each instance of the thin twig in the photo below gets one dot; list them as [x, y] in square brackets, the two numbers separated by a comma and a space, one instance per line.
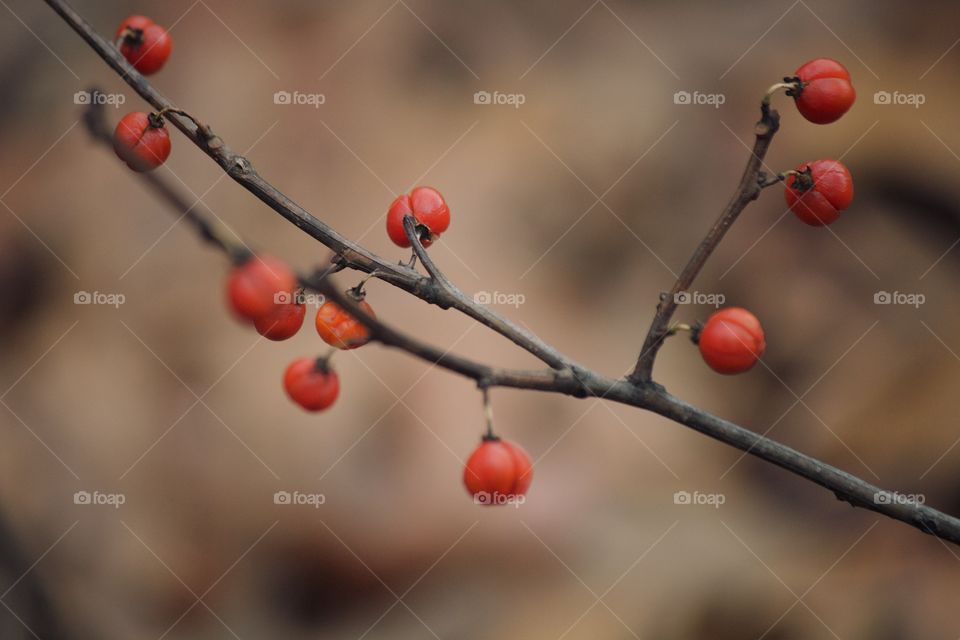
[413, 235]
[747, 191]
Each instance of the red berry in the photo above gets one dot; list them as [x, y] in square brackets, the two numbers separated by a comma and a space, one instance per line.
[259, 286]
[340, 329]
[132, 23]
[311, 383]
[731, 341]
[497, 470]
[283, 322]
[826, 93]
[141, 140]
[144, 44]
[427, 207]
[820, 191]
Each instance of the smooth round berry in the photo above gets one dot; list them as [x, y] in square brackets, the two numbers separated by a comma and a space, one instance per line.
[497, 470]
[826, 92]
[259, 286]
[311, 383]
[145, 44]
[731, 341]
[427, 207]
[819, 192]
[283, 322]
[142, 141]
[340, 329]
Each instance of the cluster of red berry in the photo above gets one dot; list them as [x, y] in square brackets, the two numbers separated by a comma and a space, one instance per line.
[265, 292]
[141, 139]
[818, 191]
[731, 340]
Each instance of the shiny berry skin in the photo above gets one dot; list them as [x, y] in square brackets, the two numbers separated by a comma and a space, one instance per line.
[826, 93]
[823, 189]
[731, 341]
[259, 287]
[340, 329]
[142, 141]
[145, 44]
[283, 322]
[311, 383]
[427, 207]
[497, 470]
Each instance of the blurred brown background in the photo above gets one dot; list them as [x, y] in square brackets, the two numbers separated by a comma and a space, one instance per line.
[583, 200]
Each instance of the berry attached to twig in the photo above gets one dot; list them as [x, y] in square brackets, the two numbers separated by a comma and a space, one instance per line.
[825, 92]
[142, 141]
[427, 207]
[731, 341]
[145, 44]
[818, 191]
[497, 471]
[312, 383]
[259, 286]
[340, 329]
[284, 321]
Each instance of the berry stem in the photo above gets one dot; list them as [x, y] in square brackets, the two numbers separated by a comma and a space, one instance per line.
[765, 180]
[790, 84]
[488, 414]
[323, 362]
[131, 36]
[357, 292]
[804, 179]
[680, 326]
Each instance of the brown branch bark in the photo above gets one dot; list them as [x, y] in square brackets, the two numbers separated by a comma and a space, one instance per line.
[563, 377]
